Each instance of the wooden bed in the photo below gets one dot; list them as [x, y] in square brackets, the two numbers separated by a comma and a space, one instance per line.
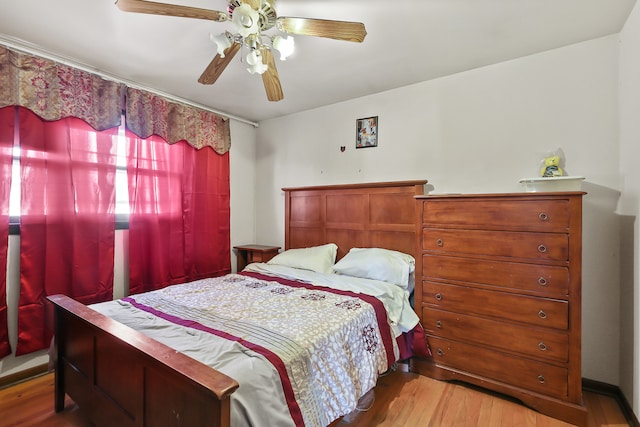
[118, 376]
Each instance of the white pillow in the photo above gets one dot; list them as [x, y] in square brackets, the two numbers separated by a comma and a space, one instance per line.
[316, 258]
[378, 264]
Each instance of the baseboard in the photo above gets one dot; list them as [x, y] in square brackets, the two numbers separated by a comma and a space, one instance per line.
[615, 393]
[27, 374]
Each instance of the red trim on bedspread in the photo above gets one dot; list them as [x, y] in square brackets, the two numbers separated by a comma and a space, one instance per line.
[381, 312]
[294, 409]
[413, 343]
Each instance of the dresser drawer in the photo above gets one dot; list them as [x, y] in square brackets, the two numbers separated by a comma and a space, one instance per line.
[540, 214]
[536, 342]
[543, 312]
[528, 374]
[538, 246]
[540, 279]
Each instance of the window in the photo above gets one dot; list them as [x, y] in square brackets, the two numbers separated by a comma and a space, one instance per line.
[122, 190]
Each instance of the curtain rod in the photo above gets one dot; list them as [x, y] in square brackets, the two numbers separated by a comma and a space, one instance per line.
[37, 50]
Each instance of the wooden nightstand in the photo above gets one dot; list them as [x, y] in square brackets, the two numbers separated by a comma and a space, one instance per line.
[254, 253]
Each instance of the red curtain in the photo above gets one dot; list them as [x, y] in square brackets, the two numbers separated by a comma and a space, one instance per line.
[67, 218]
[179, 213]
[7, 120]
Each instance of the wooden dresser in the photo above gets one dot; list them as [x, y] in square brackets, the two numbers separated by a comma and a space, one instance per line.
[498, 291]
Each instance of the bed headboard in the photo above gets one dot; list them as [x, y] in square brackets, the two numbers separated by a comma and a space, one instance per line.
[380, 214]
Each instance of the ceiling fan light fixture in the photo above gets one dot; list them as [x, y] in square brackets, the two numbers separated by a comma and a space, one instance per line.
[283, 45]
[251, 19]
[223, 41]
[246, 20]
[258, 68]
[253, 57]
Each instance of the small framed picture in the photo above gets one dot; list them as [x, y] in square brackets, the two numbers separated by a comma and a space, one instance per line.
[367, 132]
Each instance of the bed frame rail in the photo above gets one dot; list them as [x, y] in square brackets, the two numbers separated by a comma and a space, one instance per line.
[118, 376]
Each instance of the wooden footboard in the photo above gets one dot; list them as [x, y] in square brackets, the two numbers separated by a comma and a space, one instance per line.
[118, 376]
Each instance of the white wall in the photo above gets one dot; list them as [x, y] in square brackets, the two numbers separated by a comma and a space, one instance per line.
[630, 208]
[477, 131]
[242, 182]
[243, 186]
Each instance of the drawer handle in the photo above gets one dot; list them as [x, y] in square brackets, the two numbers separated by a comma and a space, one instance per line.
[542, 281]
[542, 346]
[440, 242]
[542, 314]
[440, 352]
[543, 216]
[439, 297]
[439, 324]
[541, 378]
[542, 249]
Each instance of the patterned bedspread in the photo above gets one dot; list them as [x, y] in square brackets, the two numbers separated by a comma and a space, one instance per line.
[327, 346]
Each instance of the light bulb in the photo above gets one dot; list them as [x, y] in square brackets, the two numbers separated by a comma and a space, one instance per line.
[245, 20]
[284, 46]
[253, 58]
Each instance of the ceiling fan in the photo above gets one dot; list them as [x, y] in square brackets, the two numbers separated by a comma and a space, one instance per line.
[251, 19]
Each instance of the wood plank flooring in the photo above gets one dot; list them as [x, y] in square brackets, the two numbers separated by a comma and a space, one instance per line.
[402, 399]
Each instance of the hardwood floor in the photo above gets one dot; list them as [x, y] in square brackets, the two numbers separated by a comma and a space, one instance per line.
[402, 399]
[457, 405]
[30, 403]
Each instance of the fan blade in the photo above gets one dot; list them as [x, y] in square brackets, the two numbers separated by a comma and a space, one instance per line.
[154, 8]
[270, 77]
[218, 64]
[338, 30]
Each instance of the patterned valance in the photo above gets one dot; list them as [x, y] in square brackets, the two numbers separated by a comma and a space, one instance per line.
[54, 91]
[147, 114]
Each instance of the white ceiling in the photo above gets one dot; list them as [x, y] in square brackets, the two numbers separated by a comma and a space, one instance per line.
[408, 41]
